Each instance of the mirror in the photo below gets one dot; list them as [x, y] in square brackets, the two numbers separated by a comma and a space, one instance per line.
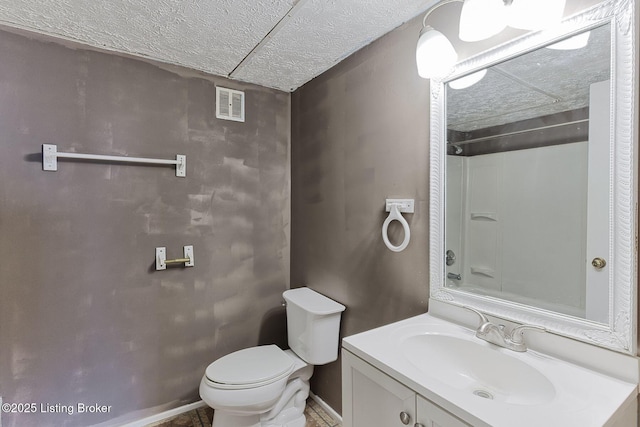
[534, 169]
[528, 176]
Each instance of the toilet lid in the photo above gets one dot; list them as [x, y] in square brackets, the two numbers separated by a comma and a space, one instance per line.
[255, 365]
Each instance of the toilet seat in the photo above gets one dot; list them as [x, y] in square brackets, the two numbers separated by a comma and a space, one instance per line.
[250, 368]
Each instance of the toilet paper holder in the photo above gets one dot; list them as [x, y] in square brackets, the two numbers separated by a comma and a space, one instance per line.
[162, 261]
[396, 207]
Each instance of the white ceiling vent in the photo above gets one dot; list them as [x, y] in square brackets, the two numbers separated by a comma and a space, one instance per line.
[229, 104]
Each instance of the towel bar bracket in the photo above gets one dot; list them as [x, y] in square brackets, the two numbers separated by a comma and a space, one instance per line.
[181, 165]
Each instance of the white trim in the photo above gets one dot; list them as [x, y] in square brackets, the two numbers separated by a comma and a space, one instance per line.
[328, 409]
[166, 414]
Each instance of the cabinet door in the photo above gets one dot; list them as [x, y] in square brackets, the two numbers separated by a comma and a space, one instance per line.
[371, 398]
[430, 415]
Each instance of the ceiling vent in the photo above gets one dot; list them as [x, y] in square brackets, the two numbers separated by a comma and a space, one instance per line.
[229, 104]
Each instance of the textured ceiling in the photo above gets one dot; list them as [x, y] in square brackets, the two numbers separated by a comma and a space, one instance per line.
[539, 83]
[277, 43]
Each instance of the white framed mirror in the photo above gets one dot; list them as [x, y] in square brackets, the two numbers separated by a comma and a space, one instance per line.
[534, 179]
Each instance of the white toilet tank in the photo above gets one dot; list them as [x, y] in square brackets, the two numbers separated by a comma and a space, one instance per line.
[313, 323]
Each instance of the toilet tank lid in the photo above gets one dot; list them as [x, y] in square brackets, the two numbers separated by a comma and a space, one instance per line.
[311, 301]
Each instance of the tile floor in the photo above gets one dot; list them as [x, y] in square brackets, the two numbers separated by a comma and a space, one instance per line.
[317, 417]
[202, 417]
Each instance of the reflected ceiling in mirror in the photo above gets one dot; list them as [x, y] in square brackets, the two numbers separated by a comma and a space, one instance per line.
[538, 83]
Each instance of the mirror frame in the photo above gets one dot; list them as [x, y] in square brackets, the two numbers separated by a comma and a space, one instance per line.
[620, 332]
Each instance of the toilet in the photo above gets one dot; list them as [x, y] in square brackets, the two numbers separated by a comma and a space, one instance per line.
[266, 386]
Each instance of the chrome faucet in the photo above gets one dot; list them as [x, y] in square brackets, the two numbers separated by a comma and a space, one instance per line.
[495, 334]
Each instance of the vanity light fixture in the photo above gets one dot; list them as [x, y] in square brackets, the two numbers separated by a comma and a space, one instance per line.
[435, 55]
[479, 20]
[534, 14]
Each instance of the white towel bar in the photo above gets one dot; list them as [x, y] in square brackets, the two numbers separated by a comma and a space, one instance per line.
[50, 157]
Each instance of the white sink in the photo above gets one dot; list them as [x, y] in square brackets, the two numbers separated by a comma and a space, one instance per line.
[478, 368]
[486, 385]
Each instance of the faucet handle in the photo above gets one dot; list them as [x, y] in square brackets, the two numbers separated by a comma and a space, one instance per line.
[517, 332]
[483, 318]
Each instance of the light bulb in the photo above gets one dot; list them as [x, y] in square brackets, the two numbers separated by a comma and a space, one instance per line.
[466, 81]
[435, 55]
[481, 19]
[534, 14]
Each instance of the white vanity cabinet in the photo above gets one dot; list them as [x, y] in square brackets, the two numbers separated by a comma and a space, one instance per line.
[372, 398]
[431, 415]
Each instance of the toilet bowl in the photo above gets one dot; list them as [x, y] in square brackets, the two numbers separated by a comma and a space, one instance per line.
[266, 386]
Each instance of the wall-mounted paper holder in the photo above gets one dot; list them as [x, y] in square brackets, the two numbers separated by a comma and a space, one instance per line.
[162, 261]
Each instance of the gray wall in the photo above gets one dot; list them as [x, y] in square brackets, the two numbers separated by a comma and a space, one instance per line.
[84, 317]
[360, 134]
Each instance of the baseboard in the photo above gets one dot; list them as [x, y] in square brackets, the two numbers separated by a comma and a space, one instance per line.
[186, 408]
[328, 409]
[166, 414]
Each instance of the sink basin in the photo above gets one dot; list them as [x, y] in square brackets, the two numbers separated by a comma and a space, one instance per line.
[477, 368]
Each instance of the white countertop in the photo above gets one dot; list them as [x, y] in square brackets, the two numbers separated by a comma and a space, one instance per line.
[582, 397]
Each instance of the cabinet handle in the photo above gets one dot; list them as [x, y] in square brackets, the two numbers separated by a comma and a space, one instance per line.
[405, 418]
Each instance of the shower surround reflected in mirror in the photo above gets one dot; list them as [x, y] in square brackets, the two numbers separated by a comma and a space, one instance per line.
[533, 180]
[528, 178]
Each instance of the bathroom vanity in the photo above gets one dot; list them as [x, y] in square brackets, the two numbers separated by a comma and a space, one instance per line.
[426, 371]
[376, 397]
[533, 221]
